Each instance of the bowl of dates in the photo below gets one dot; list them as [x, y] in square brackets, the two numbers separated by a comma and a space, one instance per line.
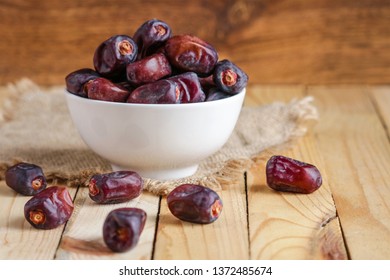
[154, 102]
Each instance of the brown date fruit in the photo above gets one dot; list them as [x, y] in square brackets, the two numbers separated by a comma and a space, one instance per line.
[115, 187]
[50, 208]
[75, 81]
[112, 56]
[148, 69]
[150, 36]
[194, 203]
[105, 90]
[191, 54]
[290, 175]
[229, 77]
[122, 228]
[189, 87]
[25, 178]
[159, 92]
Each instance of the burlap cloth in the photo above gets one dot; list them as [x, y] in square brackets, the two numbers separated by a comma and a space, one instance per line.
[35, 127]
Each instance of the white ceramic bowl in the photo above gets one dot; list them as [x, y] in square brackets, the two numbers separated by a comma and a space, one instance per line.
[159, 141]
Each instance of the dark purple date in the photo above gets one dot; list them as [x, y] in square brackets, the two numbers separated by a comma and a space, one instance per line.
[76, 80]
[25, 178]
[194, 203]
[229, 77]
[115, 187]
[150, 36]
[122, 228]
[112, 56]
[290, 175]
[105, 90]
[159, 92]
[189, 87]
[50, 208]
[191, 54]
[148, 69]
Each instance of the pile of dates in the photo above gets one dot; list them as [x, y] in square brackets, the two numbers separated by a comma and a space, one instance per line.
[155, 67]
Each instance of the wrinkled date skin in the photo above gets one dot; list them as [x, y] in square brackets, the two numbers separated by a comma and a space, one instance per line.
[122, 228]
[229, 77]
[75, 81]
[105, 90]
[50, 208]
[25, 178]
[149, 69]
[159, 92]
[115, 187]
[216, 94]
[194, 203]
[150, 36]
[290, 175]
[191, 54]
[112, 56]
[189, 87]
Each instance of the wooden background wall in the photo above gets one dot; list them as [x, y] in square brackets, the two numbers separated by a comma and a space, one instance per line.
[274, 41]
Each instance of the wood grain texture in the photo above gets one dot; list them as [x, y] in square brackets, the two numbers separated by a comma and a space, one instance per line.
[282, 41]
[357, 149]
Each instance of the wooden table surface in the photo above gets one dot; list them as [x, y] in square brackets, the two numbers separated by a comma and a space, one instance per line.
[347, 218]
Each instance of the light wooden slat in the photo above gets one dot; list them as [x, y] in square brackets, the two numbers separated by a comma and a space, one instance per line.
[356, 151]
[286, 225]
[18, 239]
[225, 238]
[83, 237]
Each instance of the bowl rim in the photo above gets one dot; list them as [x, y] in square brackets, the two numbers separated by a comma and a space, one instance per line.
[229, 99]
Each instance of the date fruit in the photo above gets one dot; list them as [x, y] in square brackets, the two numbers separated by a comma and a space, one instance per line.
[105, 90]
[148, 69]
[290, 175]
[229, 77]
[150, 36]
[194, 203]
[50, 208]
[189, 87]
[112, 56]
[76, 80]
[115, 187]
[25, 178]
[159, 92]
[191, 54]
[122, 228]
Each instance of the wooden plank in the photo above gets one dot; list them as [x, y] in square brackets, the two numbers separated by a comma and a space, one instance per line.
[225, 238]
[18, 239]
[83, 237]
[356, 151]
[286, 225]
[294, 41]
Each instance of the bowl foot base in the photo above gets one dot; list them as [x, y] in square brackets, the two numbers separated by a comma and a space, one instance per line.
[161, 174]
